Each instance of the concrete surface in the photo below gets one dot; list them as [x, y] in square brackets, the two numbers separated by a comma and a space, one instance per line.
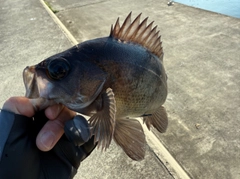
[28, 35]
[114, 164]
[202, 59]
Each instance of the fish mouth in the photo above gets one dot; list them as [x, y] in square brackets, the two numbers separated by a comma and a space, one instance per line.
[29, 79]
[33, 89]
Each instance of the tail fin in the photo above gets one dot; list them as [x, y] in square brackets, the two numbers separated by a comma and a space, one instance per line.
[130, 136]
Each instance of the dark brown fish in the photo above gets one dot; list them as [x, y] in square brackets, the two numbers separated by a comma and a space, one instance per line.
[112, 79]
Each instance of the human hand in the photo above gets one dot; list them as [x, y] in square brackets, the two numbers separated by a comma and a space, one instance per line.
[20, 131]
[52, 130]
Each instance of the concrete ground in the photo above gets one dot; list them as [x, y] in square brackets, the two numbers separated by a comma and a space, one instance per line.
[202, 61]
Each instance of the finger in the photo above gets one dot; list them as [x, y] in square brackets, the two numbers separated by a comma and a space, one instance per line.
[53, 130]
[52, 112]
[77, 130]
[19, 105]
[49, 135]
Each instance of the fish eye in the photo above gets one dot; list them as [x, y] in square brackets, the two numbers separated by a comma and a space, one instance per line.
[58, 68]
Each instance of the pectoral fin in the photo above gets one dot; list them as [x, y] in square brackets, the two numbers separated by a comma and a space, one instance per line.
[159, 120]
[103, 122]
[130, 136]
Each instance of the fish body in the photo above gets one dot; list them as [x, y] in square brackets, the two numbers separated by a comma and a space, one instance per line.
[112, 79]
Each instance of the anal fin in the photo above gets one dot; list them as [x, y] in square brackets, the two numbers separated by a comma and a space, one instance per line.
[130, 137]
[159, 120]
[103, 122]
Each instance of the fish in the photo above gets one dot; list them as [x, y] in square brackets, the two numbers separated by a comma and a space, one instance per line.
[113, 80]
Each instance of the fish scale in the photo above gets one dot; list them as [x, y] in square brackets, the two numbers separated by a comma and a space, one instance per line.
[111, 79]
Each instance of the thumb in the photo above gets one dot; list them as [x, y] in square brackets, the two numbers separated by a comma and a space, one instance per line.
[53, 130]
[19, 105]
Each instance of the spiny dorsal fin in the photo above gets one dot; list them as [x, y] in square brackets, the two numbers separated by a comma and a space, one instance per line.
[140, 33]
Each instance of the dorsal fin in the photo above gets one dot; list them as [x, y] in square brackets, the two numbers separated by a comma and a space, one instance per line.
[138, 32]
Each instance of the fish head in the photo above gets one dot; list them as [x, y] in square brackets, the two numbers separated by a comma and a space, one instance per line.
[66, 78]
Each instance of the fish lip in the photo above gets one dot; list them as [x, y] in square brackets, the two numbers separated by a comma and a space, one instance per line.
[38, 100]
[36, 86]
[41, 103]
[29, 80]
